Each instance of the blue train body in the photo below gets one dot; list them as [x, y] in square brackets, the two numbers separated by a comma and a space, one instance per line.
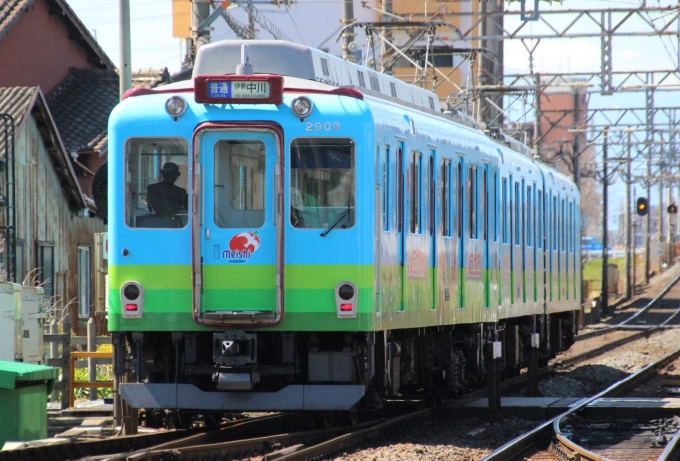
[298, 239]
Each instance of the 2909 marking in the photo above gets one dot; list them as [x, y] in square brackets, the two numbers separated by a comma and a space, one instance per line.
[325, 126]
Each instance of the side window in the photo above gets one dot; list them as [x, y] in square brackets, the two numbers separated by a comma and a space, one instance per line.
[431, 193]
[461, 198]
[240, 183]
[554, 221]
[518, 223]
[485, 198]
[416, 193]
[530, 217]
[497, 218]
[45, 268]
[322, 175]
[472, 197]
[157, 179]
[539, 220]
[386, 189]
[400, 188]
[504, 218]
[84, 278]
[446, 197]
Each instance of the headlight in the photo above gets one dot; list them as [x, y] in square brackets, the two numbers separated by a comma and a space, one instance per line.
[302, 106]
[346, 292]
[176, 106]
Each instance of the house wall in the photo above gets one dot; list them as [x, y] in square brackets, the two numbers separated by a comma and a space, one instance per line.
[38, 52]
[43, 215]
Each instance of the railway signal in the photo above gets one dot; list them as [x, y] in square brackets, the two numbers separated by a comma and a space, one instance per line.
[672, 208]
[642, 206]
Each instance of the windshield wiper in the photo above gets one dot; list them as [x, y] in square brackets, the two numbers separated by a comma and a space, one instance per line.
[336, 222]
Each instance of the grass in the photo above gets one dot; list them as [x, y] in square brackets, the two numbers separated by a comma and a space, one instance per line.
[592, 270]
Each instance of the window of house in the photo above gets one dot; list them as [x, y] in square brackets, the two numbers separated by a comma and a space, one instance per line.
[45, 268]
[84, 281]
[20, 267]
[157, 179]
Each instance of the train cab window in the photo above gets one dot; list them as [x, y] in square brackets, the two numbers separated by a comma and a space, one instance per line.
[157, 179]
[322, 175]
[239, 183]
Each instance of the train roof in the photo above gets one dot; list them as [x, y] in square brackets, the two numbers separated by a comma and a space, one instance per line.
[294, 60]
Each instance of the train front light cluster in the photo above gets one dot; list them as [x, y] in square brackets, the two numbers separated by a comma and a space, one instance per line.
[346, 300]
[132, 299]
[302, 106]
[175, 106]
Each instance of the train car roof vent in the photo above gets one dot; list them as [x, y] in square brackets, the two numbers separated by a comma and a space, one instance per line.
[244, 67]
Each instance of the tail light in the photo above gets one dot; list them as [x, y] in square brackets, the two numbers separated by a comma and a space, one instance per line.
[346, 296]
[132, 299]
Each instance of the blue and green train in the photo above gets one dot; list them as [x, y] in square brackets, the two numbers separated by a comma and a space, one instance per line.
[291, 231]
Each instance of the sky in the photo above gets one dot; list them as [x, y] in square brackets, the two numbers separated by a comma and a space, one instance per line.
[312, 22]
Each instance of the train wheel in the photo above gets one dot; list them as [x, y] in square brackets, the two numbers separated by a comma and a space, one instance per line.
[351, 416]
[323, 419]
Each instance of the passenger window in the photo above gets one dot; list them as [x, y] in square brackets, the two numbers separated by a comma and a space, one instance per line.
[157, 179]
[416, 186]
[530, 217]
[432, 189]
[472, 197]
[539, 220]
[485, 198]
[446, 198]
[504, 218]
[518, 223]
[461, 190]
[386, 189]
[322, 175]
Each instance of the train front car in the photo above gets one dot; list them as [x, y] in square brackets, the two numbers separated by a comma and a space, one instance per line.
[241, 257]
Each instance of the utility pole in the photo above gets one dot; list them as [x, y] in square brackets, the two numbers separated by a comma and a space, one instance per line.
[200, 10]
[605, 254]
[125, 69]
[627, 217]
[649, 137]
[387, 8]
[348, 34]
[537, 115]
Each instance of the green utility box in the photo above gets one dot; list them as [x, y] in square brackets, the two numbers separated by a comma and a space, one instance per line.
[23, 400]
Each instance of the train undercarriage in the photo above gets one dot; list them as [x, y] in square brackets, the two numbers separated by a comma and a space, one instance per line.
[238, 370]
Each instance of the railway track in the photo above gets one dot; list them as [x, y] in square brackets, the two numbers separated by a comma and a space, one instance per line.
[300, 441]
[549, 441]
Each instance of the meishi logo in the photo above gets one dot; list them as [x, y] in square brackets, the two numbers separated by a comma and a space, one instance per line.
[241, 247]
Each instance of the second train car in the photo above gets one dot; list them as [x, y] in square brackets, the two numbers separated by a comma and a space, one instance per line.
[291, 231]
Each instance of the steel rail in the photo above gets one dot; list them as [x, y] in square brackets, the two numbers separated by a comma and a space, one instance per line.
[134, 443]
[550, 428]
[602, 331]
[672, 450]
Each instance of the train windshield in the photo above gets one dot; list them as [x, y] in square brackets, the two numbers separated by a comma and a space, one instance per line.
[157, 178]
[322, 177]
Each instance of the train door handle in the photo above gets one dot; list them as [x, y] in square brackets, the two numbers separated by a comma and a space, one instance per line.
[207, 233]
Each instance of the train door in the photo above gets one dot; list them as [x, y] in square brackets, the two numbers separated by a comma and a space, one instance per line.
[237, 229]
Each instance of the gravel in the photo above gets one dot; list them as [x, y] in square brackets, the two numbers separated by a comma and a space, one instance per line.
[465, 439]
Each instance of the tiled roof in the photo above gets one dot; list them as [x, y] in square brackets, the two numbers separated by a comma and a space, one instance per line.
[19, 102]
[14, 102]
[81, 106]
[10, 11]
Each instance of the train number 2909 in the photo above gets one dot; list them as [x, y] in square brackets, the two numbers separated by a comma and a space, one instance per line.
[325, 126]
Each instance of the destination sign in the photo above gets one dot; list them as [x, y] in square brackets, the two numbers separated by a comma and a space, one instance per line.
[238, 89]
